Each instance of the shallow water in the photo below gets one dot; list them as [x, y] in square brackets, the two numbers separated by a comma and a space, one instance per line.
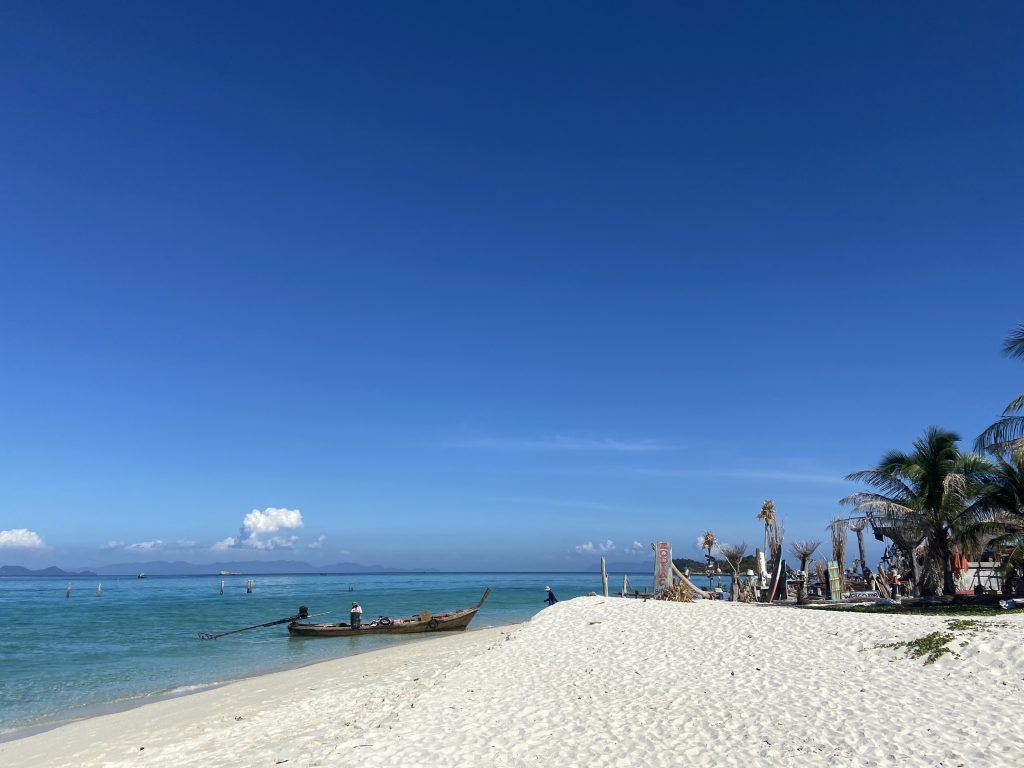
[63, 658]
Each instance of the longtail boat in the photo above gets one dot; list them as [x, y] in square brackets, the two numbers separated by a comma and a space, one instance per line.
[452, 621]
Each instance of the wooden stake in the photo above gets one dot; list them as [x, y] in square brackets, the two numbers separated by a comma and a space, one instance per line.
[604, 578]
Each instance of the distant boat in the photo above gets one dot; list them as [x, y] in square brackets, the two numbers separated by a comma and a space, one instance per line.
[229, 573]
[142, 575]
[425, 622]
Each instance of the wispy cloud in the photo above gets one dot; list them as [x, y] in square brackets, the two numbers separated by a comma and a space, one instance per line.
[21, 538]
[590, 548]
[318, 543]
[146, 546]
[141, 546]
[778, 475]
[562, 443]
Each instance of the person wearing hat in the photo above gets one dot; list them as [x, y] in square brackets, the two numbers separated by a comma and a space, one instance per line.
[550, 599]
[355, 617]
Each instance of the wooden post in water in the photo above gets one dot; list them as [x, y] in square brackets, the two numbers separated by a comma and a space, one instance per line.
[604, 578]
[222, 586]
[625, 585]
[248, 587]
[99, 589]
[69, 590]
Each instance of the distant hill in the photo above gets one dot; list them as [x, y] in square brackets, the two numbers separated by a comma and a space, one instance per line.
[18, 570]
[181, 568]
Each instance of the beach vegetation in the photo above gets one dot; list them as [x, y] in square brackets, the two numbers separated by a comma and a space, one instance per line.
[733, 555]
[928, 500]
[1007, 434]
[932, 646]
[803, 549]
[1003, 497]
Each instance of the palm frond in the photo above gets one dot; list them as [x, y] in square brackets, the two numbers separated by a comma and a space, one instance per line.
[1005, 436]
[1014, 344]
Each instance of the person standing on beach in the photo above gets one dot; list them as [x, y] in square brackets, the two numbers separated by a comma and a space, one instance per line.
[550, 599]
[355, 617]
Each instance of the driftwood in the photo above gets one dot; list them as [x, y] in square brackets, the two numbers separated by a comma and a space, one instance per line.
[678, 593]
[682, 577]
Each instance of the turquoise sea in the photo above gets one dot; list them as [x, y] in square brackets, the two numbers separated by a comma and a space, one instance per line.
[65, 657]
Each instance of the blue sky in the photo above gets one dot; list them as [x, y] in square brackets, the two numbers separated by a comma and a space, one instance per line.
[490, 285]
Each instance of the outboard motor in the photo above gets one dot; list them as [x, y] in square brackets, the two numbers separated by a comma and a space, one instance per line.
[303, 612]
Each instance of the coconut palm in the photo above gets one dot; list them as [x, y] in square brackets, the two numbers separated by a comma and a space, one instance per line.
[925, 497]
[1003, 498]
[1007, 434]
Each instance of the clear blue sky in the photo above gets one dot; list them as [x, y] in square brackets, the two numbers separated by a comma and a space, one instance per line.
[479, 285]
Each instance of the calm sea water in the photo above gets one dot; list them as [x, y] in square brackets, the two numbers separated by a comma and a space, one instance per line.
[63, 658]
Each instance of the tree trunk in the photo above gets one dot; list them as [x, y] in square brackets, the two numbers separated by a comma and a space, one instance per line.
[801, 591]
[948, 583]
[915, 568]
[863, 556]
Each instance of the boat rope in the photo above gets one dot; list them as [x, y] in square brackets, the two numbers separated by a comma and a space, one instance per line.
[302, 614]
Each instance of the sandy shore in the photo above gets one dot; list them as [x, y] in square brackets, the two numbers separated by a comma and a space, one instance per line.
[600, 682]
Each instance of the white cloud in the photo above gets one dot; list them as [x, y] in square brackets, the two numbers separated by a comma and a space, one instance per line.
[265, 530]
[21, 538]
[591, 549]
[146, 546]
[318, 544]
[110, 545]
[186, 544]
[634, 549]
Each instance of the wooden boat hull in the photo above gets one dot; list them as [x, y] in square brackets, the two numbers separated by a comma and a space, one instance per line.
[454, 621]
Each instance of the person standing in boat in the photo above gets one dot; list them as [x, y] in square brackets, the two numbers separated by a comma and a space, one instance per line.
[355, 616]
[550, 599]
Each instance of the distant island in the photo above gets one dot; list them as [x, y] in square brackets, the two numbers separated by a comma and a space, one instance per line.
[17, 570]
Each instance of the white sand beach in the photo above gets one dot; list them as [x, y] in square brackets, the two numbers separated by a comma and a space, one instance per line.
[601, 682]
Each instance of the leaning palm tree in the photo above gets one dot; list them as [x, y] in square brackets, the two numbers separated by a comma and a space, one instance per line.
[1007, 434]
[924, 498]
[803, 549]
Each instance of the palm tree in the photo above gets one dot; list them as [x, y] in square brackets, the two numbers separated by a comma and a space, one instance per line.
[1007, 434]
[1003, 498]
[734, 554]
[925, 499]
[804, 550]
[767, 516]
[858, 526]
